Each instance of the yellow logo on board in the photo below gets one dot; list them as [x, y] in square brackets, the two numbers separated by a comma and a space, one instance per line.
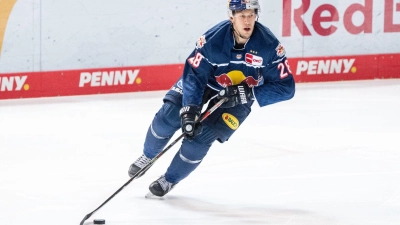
[231, 121]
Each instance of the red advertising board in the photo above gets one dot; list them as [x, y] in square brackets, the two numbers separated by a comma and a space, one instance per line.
[88, 81]
[339, 68]
[162, 77]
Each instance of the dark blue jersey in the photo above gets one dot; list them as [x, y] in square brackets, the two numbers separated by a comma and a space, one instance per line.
[215, 63]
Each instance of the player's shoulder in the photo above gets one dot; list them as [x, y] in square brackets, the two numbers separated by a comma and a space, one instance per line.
[264, 34]
[214, 34]
[219, 29]
[266, 43]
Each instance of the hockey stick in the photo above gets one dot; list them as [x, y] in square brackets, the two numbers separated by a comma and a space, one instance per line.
[144, 169]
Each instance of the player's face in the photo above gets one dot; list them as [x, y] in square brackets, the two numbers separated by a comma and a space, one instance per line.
[243, 22]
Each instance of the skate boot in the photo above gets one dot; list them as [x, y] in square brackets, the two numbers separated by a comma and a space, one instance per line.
[160, 187]
[141, 162]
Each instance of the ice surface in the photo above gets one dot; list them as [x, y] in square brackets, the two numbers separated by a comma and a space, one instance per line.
[329, 156]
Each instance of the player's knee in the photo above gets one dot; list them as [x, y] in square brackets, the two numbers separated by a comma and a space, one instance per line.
[194, 151]
[166, 121]
[189, 158]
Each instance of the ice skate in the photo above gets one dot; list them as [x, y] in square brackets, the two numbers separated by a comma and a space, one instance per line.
[160, 187]
[141, 162]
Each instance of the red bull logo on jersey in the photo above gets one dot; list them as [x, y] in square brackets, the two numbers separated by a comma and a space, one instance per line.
[201, 41]
[237, 77]
[231, 121]
[251, 82]
[253, 59]
[280, 50]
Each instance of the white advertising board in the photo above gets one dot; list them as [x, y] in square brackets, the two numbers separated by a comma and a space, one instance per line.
[43, 35]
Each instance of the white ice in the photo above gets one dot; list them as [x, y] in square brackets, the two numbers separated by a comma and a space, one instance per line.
[329, 156]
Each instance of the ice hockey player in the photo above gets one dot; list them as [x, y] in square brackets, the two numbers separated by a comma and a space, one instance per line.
[238, 59]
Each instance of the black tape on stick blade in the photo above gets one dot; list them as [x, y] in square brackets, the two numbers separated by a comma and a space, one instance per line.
[99, 221]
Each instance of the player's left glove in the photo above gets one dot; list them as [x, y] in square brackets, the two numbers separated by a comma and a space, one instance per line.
[189, 120]
[235, 94]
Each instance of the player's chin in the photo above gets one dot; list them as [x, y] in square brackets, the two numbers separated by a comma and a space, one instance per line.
[247, 32]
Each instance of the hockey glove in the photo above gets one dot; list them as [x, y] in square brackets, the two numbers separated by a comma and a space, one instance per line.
[235, 94]
[189, 116]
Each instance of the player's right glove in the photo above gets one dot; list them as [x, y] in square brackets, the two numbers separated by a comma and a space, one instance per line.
[235, 94]
[189, 120]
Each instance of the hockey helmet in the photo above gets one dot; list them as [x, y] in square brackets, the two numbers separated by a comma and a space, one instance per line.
[239, 5]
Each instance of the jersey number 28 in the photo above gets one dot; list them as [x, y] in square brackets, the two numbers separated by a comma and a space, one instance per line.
[195, 61]
[284, 66]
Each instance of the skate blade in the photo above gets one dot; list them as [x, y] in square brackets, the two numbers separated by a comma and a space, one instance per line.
[152, 196]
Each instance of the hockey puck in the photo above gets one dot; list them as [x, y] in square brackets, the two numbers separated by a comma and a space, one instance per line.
[99, 221]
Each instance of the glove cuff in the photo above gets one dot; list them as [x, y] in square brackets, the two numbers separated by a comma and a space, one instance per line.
[190, 109]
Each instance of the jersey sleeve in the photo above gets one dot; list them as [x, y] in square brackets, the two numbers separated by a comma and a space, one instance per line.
[195, 77]
[201, 63]
[278, 83]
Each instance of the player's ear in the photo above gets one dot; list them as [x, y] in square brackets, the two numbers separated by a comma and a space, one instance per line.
[230, 15]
